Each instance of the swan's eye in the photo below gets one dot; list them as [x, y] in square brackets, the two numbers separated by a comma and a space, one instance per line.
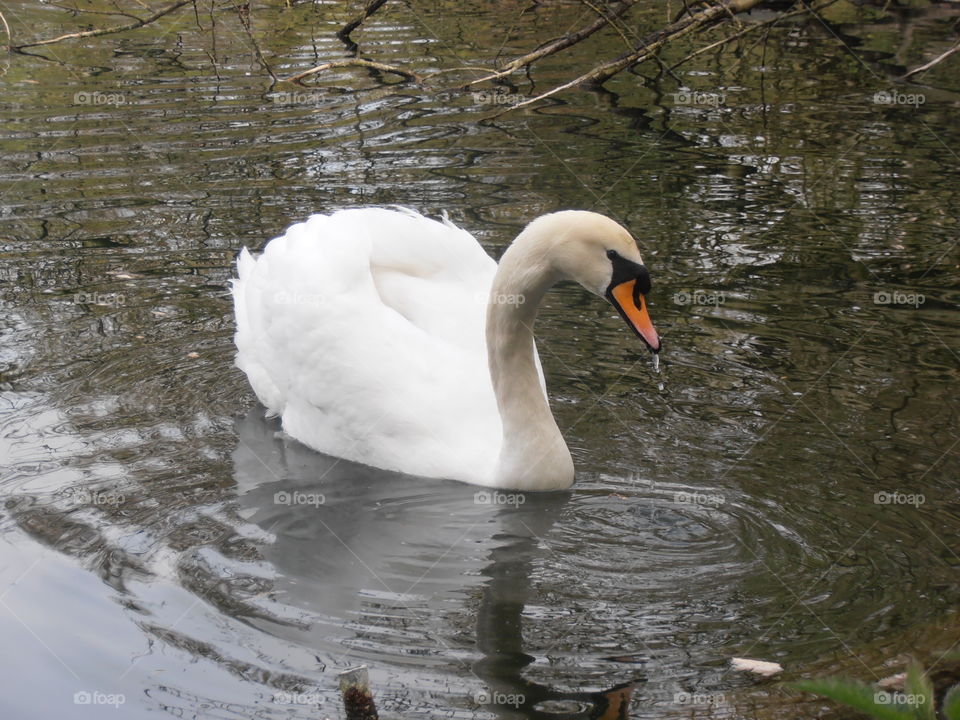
[611, 254]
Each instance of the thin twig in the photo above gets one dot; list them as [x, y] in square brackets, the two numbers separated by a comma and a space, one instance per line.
[599, 11]
[555, 46]
[933, 62]
[140, 22]
[372, 6]
[7, 28]
[353, 62]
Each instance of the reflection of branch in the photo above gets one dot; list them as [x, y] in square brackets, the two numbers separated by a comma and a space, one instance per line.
[933, 62]
[243, 12]
[559, 44]
[353, 62]
[372, 6]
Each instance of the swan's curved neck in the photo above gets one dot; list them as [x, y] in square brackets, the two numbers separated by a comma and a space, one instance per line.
[533, 454]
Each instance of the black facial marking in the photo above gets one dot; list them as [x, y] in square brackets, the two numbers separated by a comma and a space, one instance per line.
[624, 270]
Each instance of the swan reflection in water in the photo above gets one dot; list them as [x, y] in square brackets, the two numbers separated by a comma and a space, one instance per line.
[384, 569]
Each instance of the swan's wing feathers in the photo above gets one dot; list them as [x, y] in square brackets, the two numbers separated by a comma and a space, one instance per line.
[364, 329]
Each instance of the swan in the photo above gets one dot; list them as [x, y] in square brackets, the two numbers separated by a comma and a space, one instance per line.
[390, 339]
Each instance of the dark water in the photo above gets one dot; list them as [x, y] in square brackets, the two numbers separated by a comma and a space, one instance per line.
[785, 488]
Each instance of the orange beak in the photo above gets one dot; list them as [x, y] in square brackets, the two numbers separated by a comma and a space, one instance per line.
[632, 306]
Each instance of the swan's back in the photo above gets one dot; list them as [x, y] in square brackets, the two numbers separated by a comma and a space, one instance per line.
[364, 331]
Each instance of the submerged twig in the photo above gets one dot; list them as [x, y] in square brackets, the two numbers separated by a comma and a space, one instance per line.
[140, 22]
[353, 62]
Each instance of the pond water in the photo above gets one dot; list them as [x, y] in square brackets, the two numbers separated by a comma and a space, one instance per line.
[785, 488]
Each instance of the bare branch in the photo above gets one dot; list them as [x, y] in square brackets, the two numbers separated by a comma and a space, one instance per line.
[936, 60]
[555, 46]
[648, 46]
[140, 22]
[353, 62]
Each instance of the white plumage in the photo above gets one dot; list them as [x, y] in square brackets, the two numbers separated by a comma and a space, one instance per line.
[366, 331]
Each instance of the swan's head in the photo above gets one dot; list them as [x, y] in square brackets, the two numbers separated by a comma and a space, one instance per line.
[599, 254]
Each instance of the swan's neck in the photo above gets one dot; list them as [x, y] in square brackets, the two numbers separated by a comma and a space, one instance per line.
[533, 454]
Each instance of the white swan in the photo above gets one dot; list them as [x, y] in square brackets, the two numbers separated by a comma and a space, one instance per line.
[393, 340]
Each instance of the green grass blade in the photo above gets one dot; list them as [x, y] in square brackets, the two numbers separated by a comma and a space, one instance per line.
[854, 695]
[918, 691]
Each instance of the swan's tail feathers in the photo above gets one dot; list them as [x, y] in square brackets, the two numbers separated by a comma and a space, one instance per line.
[245, 264]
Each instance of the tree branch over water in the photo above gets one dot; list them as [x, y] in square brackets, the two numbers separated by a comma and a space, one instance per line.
[138, 23]
[558, 44]
[651, 44]
[694, 18]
